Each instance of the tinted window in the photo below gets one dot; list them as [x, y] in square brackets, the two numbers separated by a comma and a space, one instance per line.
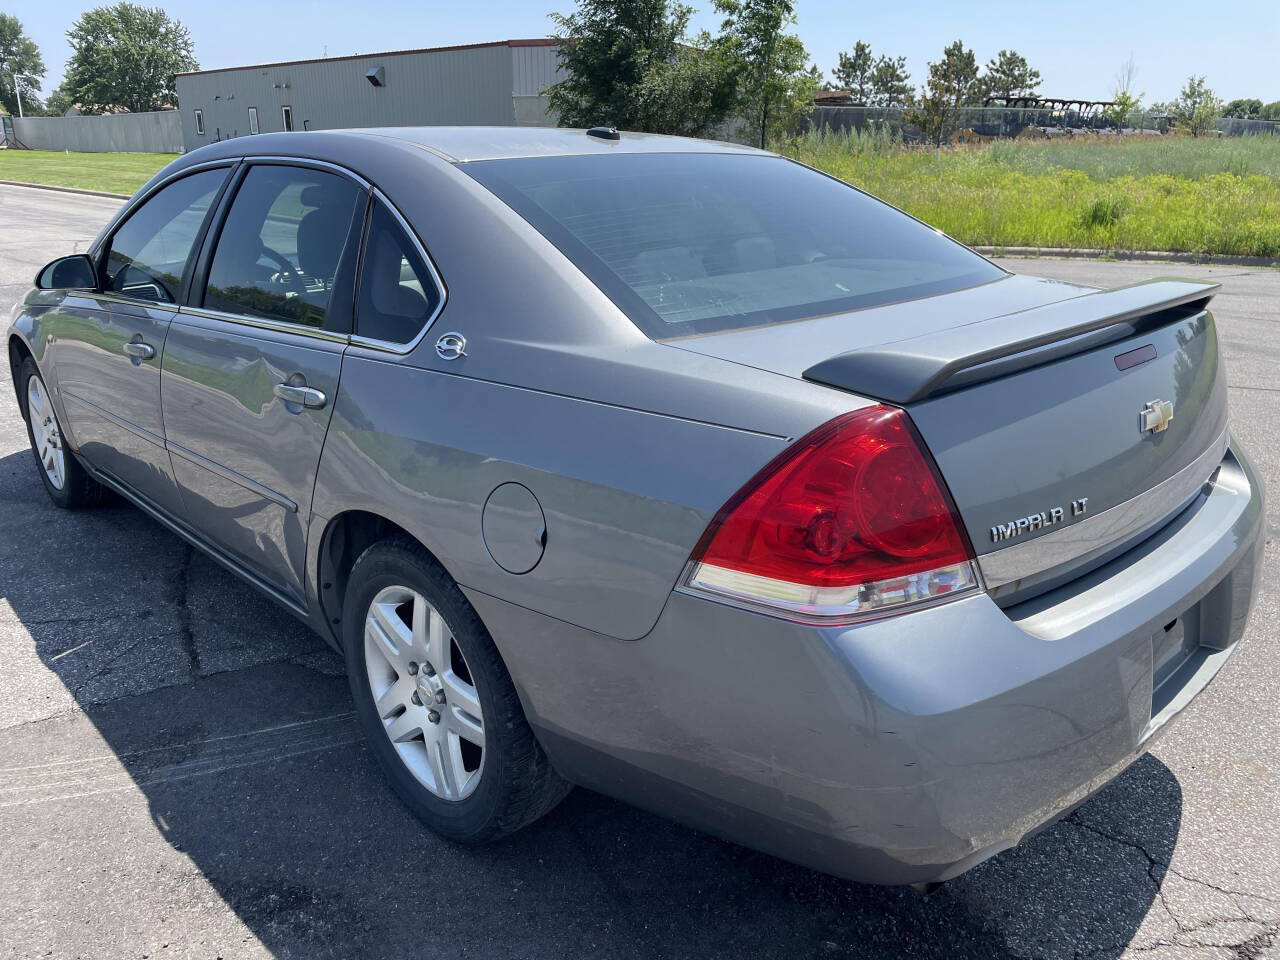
[693, 243]
[397, 293]
[281, 243]
[148, 254]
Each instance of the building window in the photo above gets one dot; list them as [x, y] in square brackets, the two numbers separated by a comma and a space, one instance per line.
[253, 119]
[199, 123]
[286, 114]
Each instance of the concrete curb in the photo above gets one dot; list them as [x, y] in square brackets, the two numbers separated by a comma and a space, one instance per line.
[46, 186]
[1158, 256]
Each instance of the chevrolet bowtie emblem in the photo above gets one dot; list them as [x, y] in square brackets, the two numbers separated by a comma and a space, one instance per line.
[1155, 416]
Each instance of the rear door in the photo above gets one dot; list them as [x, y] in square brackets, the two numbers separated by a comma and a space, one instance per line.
[107, 346]
[252, 363]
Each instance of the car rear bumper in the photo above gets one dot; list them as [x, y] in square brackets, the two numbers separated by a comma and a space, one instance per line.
[908, 749]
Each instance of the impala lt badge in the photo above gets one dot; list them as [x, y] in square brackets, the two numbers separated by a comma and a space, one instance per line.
[1155, 416]
[1037, 521]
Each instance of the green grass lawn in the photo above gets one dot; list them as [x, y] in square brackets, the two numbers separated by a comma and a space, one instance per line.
[108, 172]
[1142, 193]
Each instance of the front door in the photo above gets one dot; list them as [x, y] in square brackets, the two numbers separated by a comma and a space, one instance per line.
[107, 346]
[251, 367]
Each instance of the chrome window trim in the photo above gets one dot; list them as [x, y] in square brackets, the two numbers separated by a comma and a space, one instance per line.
[265, 323]
[112, 297]
[283, 160]
[1094, 534]
[137, 200]
[389, 346]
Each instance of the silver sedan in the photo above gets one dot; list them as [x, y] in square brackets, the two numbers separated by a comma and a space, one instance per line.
[673, 469]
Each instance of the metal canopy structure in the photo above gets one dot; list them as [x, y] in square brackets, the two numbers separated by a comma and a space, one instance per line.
[1084, 109]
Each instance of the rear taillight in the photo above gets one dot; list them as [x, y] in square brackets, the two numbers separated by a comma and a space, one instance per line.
[852, 519]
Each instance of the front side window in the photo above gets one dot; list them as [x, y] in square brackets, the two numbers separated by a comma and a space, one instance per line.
[147, 256]
[689, 243]
[281, 244]
[397, 292]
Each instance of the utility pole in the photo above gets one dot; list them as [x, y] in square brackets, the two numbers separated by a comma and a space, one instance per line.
[16, 91]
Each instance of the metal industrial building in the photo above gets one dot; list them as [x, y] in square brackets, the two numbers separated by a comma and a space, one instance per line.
[497, 83]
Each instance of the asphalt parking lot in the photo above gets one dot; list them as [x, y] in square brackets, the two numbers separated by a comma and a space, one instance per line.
[180, 774]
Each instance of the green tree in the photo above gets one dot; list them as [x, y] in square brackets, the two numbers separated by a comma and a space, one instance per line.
[949, 87]
[1250, 109]
[1271, 111]
[1197, 109]
[854, 72]
[124, 57]
[1009, 75]
[58, 102]
[20, 57]
[775, 90]
[1124, 101]
[689, 96]
[1122, 105]
[890, 83]
[626, 64]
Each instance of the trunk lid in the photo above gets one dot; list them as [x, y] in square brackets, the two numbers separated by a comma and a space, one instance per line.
[1046, 406]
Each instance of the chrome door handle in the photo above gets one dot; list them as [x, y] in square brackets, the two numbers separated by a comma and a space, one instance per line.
[309, 397]
[136, 348]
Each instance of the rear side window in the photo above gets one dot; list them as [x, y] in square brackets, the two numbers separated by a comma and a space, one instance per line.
[281, 244]
[398, 294]
[690, 243]
[148, 253]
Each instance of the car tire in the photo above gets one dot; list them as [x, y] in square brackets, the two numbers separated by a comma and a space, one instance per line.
[391, 650]
[66, 480]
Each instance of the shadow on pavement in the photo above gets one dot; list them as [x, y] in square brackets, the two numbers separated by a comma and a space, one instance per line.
[234, 723]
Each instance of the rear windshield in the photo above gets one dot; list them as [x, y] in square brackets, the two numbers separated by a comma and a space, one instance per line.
[698, 243]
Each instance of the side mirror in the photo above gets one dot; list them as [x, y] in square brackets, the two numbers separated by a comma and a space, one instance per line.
[75, 272]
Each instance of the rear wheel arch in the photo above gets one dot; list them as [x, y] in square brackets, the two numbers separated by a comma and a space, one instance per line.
[345, 538]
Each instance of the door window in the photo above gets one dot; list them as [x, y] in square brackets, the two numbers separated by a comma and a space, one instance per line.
[147, 256]
[200, 123]
[398, 294]
[253, 119]
[286, 117]
[281, 244]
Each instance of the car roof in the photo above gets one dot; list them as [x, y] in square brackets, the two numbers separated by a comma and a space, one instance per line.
[462, 144]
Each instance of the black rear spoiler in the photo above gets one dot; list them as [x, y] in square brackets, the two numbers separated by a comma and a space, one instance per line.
[910, 370]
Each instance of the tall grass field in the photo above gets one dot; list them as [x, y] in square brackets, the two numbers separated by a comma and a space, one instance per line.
[1207, 196]
[1216, 196]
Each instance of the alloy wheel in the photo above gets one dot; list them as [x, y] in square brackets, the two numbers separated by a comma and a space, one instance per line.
[424, 693]
[46, 433]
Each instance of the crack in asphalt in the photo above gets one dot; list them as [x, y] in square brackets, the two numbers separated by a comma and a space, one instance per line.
[182, 590]
[1247, 949]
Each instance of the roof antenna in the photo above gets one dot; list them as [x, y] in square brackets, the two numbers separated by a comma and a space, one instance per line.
[604, 133]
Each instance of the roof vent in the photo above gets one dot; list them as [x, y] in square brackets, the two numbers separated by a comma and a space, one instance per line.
[604, 133]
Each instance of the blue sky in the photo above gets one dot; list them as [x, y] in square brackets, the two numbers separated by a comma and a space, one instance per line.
[1077, 45]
